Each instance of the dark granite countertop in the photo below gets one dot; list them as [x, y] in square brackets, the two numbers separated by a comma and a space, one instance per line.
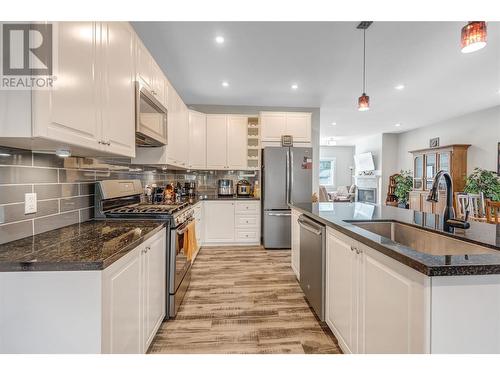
[92, 245]
[341, 215]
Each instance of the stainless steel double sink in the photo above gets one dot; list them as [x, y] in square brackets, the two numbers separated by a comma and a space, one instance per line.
[422, 240]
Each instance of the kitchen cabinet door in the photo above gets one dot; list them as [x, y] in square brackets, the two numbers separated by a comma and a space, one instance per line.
[199, 223]
[299, 126]
[216, 142]
[237, 142]
[122, 305]
[118, 104]
[295, 244]
[341, 290]
[70, 112]
[197, 140]
[394, 306]
[273, 126]
[175, 131]
[182, 135]
[219, 222]
[154, 286]
[158, 89]
[144, 64]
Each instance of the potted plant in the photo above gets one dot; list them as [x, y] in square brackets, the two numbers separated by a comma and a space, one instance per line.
[404, 184]
[487, 182]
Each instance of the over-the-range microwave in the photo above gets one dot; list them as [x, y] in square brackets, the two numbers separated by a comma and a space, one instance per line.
[151, 118]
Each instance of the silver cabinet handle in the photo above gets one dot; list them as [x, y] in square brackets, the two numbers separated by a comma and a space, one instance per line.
[272, 214]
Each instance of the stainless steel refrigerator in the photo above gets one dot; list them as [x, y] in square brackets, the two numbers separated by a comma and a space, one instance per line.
[286, 178]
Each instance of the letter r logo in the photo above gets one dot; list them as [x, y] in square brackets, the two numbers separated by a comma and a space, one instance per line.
[27, 49]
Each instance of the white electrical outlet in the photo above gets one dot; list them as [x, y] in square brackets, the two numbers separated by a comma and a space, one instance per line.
[29, 203]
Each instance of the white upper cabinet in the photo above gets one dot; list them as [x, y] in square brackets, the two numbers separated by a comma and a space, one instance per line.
[158, 84]
[299, 126]
[144, 64]
[197, 140]
[91, 109]
[178, 130]
[118, 115]
[273, 125]
[149, 73]
[237, 141]
[216, 141]
[227, 141]
[276, 124]
[70, 114]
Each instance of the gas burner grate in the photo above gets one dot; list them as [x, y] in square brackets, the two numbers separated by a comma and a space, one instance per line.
[149, 209]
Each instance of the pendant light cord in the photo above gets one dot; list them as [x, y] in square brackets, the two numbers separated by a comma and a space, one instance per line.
[364, 61]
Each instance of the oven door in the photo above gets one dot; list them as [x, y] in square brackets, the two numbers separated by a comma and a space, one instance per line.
[179, 264]
[151, 119]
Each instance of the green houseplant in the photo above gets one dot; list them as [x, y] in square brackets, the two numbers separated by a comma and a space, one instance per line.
[487, 182]
[404, 184]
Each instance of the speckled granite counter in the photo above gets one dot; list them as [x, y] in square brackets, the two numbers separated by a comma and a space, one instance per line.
[341, 215]
[92, 245]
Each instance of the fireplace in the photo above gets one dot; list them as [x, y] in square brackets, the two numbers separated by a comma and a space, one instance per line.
[367, 195]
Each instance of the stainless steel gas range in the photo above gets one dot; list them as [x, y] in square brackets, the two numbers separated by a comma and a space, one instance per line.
[122, 199]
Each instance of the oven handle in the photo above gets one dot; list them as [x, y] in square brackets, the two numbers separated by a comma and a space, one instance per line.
[184, 226]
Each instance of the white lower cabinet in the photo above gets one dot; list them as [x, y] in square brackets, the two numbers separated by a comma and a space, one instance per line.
[116, 310]
[231, 222]
[295, 244]
[154, 288]
[374, 304]
[134, 298]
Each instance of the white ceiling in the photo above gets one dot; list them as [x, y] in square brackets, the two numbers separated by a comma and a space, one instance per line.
[261, 60]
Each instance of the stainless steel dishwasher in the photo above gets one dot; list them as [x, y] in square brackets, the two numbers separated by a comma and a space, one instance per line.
[312, 263]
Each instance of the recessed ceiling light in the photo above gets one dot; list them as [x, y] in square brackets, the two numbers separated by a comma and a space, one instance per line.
[399, 87]
[334, 123]
[225, 83]
[219, 39]
[295, 86]
[397, 125]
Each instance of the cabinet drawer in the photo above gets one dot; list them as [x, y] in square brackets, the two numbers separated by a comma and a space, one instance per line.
[247, 207]
[243, 235]
[247, 221]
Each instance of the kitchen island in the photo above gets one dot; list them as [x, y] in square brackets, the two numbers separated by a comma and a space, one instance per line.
[384, 296]
[94, 287]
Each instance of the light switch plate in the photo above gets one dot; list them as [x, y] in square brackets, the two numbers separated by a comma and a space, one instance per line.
[30, 203]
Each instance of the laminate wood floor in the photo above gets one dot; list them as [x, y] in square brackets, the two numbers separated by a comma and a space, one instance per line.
[244, 300]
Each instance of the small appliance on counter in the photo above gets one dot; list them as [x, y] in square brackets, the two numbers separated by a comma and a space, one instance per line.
[225, 187]
[243, 188]
[190, 189]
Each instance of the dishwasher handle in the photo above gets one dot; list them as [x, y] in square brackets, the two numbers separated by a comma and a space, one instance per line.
[307, 226]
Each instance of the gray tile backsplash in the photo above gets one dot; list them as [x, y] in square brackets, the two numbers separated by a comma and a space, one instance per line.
[14, 193]
[65, 187]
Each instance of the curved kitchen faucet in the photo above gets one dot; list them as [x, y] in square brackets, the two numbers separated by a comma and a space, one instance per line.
[449, 220]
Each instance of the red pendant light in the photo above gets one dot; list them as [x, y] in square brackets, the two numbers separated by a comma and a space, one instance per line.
[473, 36]
[364, 100]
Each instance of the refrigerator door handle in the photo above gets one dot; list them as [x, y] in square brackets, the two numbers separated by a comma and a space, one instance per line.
[273, 214]
[287, 187]
[290, 174]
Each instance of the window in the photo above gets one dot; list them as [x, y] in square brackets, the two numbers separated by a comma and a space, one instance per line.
[327, 171]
